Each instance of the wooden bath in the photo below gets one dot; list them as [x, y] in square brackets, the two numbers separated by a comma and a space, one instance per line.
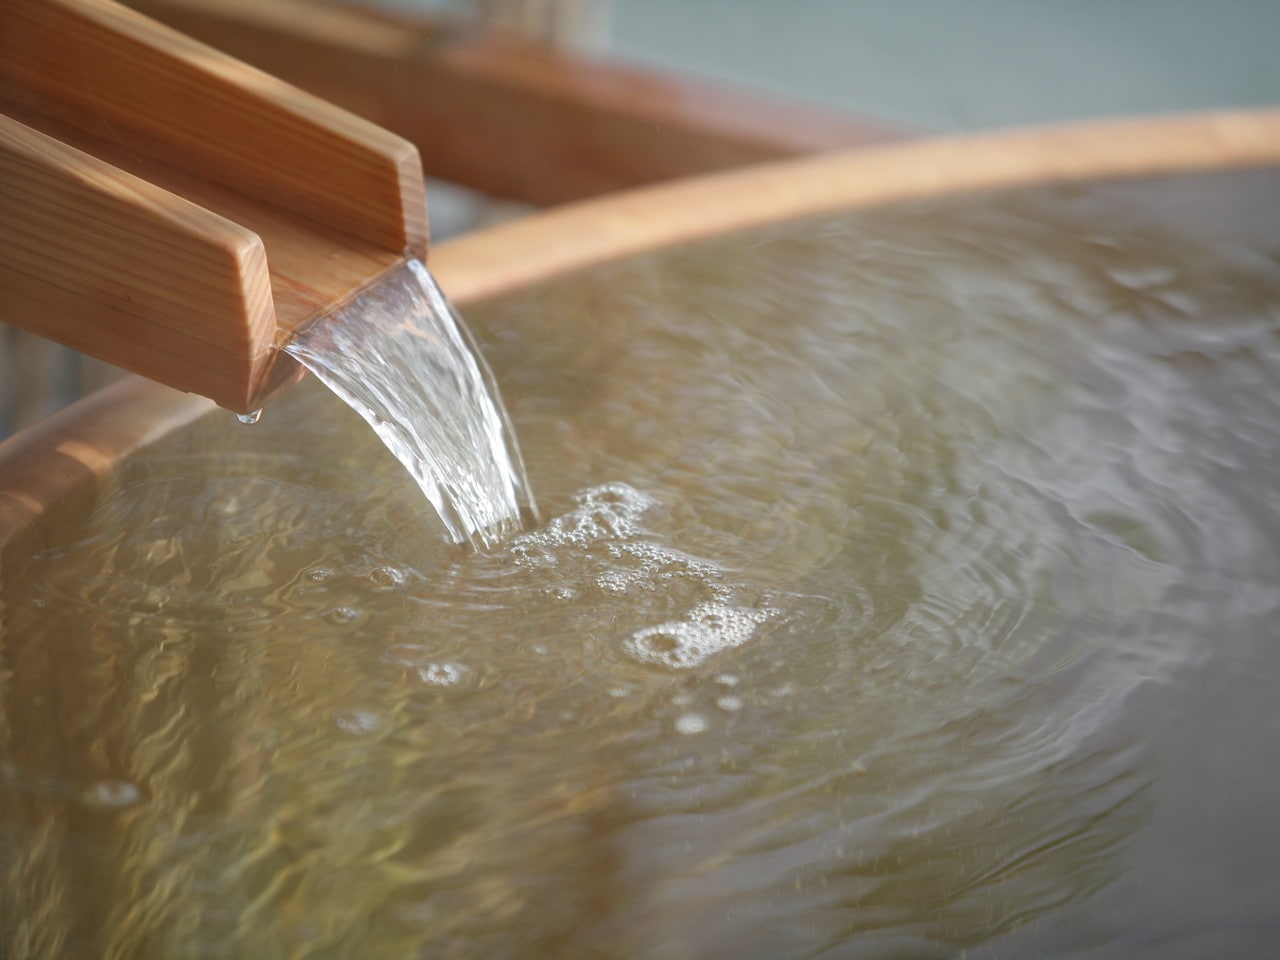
[932, 775]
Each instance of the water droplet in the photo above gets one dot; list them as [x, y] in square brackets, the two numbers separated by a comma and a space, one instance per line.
[319, 574]
[604, 513]
[441, 674]
[730, 704]
[615, 581]
[387, 577]
[359, 722]
[711, 628]
[341, 614]
[691, 723]
[250, 418]
[112, 794]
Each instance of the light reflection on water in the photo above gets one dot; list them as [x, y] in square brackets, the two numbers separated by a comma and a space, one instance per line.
[907, 588]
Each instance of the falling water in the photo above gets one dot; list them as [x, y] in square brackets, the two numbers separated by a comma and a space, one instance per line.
[400, 357]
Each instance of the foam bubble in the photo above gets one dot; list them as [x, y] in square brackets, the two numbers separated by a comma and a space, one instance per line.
[709, 629]
[387, 577]
[441, 674]
[601, 547]
[359, 722]
[341, 614]
[418, 663]
[112, 794]
[610, 511]
[691, 723]
[652, 566]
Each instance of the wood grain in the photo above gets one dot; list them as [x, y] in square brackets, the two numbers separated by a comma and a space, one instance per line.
[177, 213]
[507, 116]
[92, 256]
[120, 75]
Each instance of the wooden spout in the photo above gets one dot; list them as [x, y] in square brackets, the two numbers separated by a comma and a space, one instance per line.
[175, 212]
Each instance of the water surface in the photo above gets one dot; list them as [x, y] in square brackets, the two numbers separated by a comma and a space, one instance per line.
[907, 588]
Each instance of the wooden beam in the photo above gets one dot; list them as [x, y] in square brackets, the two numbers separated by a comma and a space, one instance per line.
[126, 271]
[176, 212]
[117, 74]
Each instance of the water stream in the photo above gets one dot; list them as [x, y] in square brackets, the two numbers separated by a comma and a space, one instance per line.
[400, 357]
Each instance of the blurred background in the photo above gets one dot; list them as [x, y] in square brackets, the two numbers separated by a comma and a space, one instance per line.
[943, 65]
[893, 67]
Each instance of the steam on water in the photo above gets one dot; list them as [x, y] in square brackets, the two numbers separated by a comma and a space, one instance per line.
[400, 357]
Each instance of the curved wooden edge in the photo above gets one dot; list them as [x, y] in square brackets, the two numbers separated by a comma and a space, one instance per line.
[51, 473]
[62, 461]
[575, 236]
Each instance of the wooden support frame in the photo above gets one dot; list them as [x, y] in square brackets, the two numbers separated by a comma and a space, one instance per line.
[179, 213]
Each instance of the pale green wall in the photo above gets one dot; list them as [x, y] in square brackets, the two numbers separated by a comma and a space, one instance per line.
[963, 64]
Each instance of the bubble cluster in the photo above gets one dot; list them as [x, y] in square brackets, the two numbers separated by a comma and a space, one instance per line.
[441, 674]
[652, 566]
[386, 577]
[691, 723]
[600, 548]
[708, 629]
[419, 664]
[112, 794]
[610, 511]
[359, 722]
[341, 615]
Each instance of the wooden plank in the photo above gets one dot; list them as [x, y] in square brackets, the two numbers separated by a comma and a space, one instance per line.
[510, 117]
[117, 267]
[119, 75]
[147, 183]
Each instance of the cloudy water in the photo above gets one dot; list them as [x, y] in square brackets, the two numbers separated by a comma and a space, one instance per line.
[400, 357]
[907, 588]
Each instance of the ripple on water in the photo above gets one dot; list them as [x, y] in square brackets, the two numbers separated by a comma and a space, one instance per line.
[601, 547]
[939, 602]
[707, 629]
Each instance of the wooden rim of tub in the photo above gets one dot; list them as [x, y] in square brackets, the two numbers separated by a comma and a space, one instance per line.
[50, 474]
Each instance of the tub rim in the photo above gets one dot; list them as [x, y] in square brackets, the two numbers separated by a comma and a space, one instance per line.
[51, 473]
